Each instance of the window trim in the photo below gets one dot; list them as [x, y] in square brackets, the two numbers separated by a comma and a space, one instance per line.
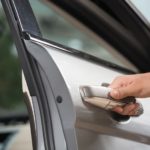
[78, 53]
[98, 39]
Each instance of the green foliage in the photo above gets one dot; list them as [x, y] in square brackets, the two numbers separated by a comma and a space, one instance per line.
[10, 81]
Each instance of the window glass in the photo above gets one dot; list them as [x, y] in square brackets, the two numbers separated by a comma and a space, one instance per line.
[56, 28]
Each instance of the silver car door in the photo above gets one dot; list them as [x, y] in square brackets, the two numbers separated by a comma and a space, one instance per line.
[96, 128]
[57, 107]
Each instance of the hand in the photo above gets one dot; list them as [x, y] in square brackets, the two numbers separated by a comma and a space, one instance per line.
[130, 85]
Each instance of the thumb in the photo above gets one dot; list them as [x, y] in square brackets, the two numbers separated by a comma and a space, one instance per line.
[122, 92]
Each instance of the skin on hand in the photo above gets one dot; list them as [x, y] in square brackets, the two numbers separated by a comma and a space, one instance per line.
[130, 85]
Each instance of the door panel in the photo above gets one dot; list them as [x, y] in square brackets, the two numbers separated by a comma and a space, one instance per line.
[94, 141]
[94, 122]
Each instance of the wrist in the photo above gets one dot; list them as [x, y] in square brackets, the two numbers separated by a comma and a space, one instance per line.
[147, 75]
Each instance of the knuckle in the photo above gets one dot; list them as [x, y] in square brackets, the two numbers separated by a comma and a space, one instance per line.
[120, 94]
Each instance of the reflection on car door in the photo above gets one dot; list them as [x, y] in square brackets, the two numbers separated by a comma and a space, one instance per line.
[54, 73]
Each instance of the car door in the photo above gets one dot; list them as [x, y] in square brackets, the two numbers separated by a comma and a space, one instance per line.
[54, 73]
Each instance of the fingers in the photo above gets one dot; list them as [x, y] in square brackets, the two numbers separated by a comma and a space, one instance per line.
[122, 86]
[115, 93]
[129, 109]
[134, 111]
[123, 92]
[118, 110]
[128, 85]
[120, 81]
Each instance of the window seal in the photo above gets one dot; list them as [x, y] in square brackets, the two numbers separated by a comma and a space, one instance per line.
[77, 53]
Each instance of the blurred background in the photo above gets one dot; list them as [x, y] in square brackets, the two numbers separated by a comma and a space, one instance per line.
[55, 28]
[10, 78]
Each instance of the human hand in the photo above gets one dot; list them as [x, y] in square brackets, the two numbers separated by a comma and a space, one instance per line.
[130, 85]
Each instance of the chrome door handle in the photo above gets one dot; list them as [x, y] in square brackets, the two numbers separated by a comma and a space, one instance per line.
[95, 91]
[99, 96]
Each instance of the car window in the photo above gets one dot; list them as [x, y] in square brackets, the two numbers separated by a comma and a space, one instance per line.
[56, 28]
[13, 112]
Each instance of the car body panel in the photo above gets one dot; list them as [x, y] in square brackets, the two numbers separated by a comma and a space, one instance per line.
[78, 72]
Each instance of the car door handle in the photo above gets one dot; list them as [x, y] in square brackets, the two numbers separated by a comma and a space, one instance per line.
[99, 96]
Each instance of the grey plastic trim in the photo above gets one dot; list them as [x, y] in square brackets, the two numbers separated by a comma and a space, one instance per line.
[35, 122]
[55, 88]
[58, 133]
[38, 125]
